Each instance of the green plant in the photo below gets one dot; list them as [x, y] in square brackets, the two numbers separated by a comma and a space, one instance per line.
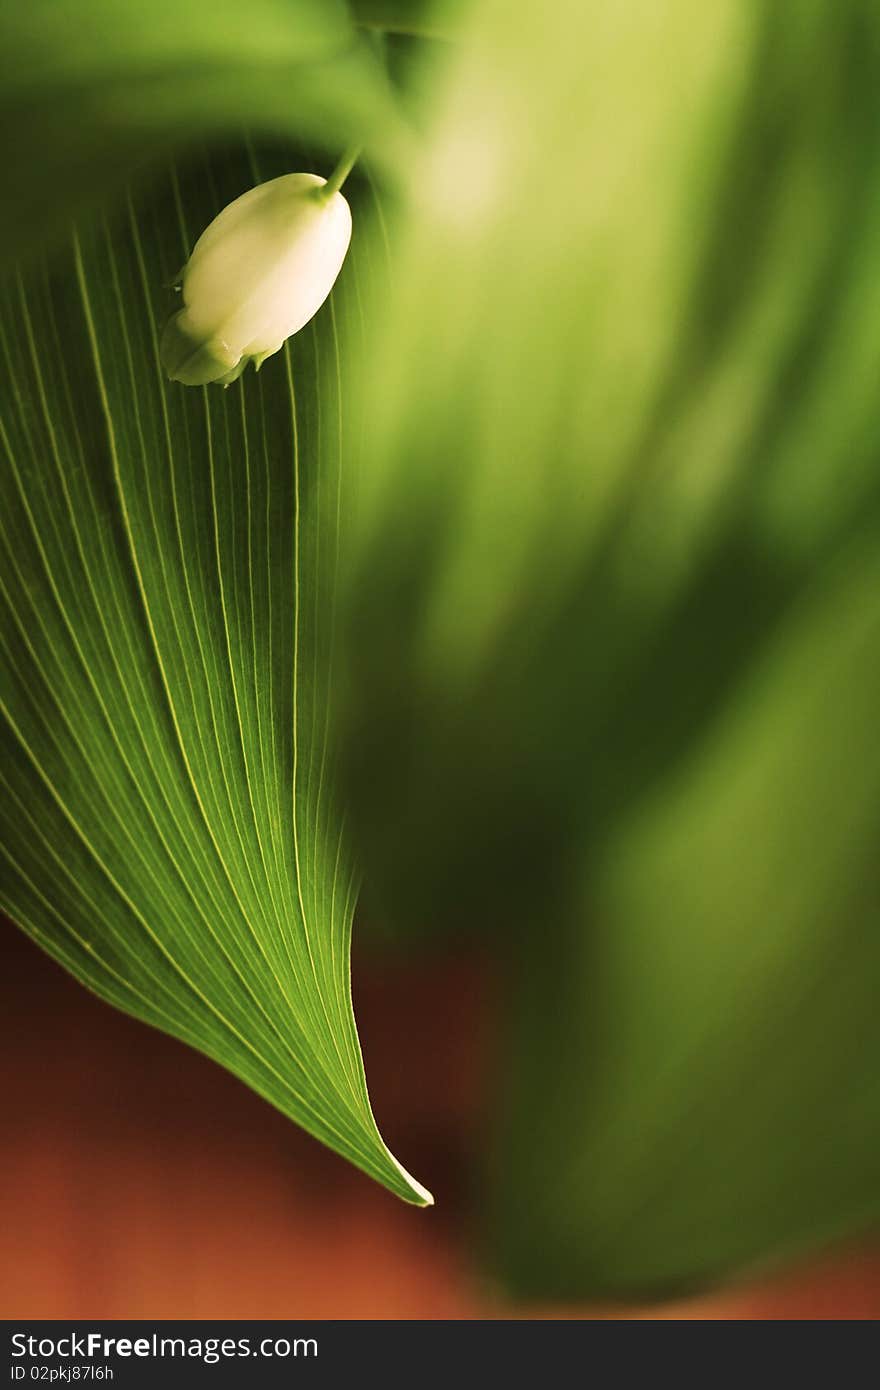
[536, 577]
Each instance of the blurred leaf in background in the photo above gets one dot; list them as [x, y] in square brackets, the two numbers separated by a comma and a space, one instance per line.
[93, 92]
[613, 628]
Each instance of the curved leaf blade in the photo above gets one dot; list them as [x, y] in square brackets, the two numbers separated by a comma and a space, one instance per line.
[169, 570]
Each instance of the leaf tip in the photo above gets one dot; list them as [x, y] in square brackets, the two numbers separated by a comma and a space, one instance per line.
[421, 1197]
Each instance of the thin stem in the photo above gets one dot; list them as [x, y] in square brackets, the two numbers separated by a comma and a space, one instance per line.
[341, 172]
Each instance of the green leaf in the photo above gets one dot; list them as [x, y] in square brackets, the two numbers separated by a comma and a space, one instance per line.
[694, 1062]
[169, 579]
[92, 92]
[612, 631]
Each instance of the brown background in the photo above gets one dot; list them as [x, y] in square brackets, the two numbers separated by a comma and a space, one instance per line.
[140, 1180]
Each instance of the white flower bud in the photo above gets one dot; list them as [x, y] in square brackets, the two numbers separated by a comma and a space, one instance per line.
[258, 273]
